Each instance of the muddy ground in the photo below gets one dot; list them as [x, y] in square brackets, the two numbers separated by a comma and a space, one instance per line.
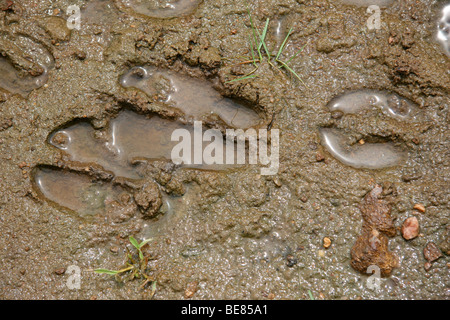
[233, 234]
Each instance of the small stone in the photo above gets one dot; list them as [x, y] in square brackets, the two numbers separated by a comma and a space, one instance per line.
[431, 252]
[337, 114]
[270, 296]
[419, 207]
[291, 261]
[60, 271]
[312, 145]
[326, 242]
[427, 266]
[114, 249]
[321, 253]
[320, 157]
[22, 165]
[361, 141]
[191, 289]
[410, 228]
[277, 182]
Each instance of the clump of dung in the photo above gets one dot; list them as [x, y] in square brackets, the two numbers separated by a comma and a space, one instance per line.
[371, 247]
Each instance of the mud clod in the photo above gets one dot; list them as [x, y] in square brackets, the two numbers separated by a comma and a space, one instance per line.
[149, 200]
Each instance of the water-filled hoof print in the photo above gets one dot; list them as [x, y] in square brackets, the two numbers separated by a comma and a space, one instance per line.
[224, 150]
[160, 9]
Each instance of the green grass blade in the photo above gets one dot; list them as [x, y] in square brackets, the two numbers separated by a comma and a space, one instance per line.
[296, 54]
[253, 51]
[134, 242]
[254, 31]
[243, 78]
[283, 44]
[310, 295]
[106, 271]
[143, 243]
[292, 71]
[263, 38]
[153, 290]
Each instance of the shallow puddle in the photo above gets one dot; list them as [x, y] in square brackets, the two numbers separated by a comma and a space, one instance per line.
[100, 12]
[389, 103]
[367, 3]
[367, 155]
[443, 34]
[16, 82]
[131, 137]
[74, 191]
[196, 98]
[162, 8]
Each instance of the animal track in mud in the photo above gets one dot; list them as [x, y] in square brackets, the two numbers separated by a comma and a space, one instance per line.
[129, 139]
[389, 103]
[196, 98]
[83, 194]
[366, 3]
[160, 8]
[30, 55]
[368, 155]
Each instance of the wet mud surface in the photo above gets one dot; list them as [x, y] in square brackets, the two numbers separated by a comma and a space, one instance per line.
[85, 141]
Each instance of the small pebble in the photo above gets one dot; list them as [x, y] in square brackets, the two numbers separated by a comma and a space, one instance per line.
[60, 271]
[191, 289]
[326, 242]
[427, 266]
[419, 207]
[431, 252]
[291, 261]
[320, 157]
[410, 228]
[270, 296]
[114, 249]
[277, 182]
[321, 253]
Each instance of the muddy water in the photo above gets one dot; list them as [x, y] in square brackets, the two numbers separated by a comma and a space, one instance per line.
[197, 99]
[443, 34]
[367, 3]
[161, 8]
[17, 82]
[367, 155]
[391, 104]
[131, 137]
[75, 191]
[238, 234]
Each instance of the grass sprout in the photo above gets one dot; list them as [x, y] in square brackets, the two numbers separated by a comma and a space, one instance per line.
[136, 267]
[260, 52]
